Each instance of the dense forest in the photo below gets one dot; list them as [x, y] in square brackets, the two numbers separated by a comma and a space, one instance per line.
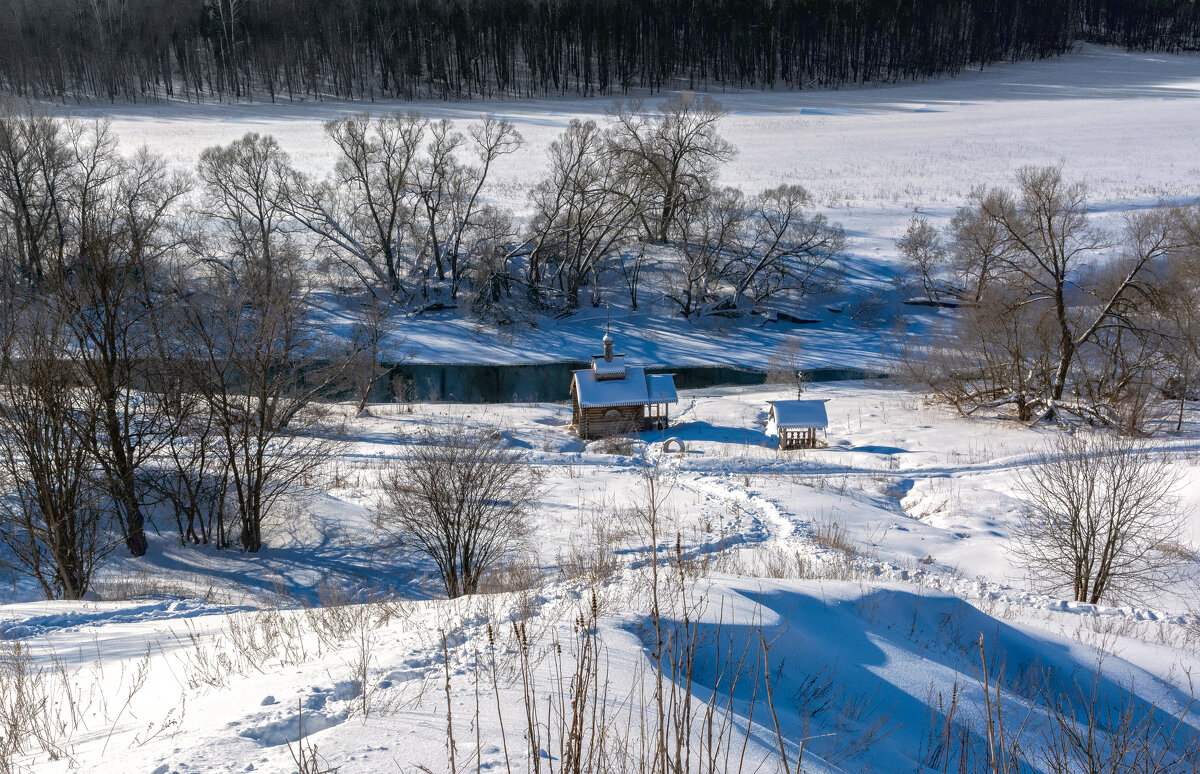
[374, 49]
[1155, 25]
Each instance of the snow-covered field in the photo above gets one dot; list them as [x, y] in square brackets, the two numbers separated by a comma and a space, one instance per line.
[865, 572]
[1126, 123]
[875, 563]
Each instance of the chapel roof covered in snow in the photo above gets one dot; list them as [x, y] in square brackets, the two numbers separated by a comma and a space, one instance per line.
[614, 398]
[635, 389]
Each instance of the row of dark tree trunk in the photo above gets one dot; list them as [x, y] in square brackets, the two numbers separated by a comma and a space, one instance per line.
[1154, 25]
[369, 49]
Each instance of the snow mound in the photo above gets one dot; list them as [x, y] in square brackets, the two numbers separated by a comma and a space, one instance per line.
[101, 614]
[850, 662]
[286, 730]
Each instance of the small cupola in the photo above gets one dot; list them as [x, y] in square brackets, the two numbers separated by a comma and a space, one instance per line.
[608, 366]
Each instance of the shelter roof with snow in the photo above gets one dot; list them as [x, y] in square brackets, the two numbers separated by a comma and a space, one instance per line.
[799, 414]
[797, 422]
[661, 388]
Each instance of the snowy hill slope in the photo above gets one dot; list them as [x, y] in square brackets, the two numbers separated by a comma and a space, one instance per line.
[859, 580]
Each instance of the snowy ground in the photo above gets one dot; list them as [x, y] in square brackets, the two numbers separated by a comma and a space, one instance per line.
[210, 661]
[1126, 123]
[872, 566]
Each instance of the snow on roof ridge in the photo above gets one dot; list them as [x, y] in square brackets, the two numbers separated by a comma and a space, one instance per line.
[802, 413]
[637, 389]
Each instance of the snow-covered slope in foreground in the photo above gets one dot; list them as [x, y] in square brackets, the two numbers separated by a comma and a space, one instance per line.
[842, 599]
[861, 674]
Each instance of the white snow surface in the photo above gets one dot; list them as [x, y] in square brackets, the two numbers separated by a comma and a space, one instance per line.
[928, 499]
[197, 660]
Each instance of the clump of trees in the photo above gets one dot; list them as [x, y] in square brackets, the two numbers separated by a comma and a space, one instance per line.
[403, 218]
[51, 519]
[141, 364]
[651, 178]
[1057, 316]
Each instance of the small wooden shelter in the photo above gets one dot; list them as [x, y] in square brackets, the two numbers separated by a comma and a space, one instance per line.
[797, 421]
[613, 398]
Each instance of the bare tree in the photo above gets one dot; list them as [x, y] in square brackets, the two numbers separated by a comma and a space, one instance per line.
[733, 250]
[784, 249]
[366, 209]
[631, 263]
[192, 477]
[1114, 380]
[585, 211]
[706, 250]
[462, 498]
[51, 515]
[1102, 518]
[34, 166]
[1073, 305]
[261, 358]
[1178, 313]
[262, 363]
[975, 243]
[923, 253]
[995, 355]
[372, 353]
[672, 155]
[449, 193]
[244, 185]
[121, 208]
[1048, 240]
[786, 364]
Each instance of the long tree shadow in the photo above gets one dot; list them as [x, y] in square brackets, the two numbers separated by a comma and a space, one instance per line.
[856, 675]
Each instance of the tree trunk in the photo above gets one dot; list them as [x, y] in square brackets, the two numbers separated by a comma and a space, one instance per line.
[123, 478]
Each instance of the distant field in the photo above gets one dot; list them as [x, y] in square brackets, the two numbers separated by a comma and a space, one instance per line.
[1127, 122]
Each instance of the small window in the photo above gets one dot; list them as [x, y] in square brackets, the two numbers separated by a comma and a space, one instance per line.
[612, 414]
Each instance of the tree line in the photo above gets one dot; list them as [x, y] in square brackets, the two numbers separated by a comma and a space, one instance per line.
[1151, 25]
[233, 50]
[404, 219]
